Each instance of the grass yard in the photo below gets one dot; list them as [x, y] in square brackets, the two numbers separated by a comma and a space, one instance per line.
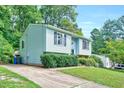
[119, 70]
[10, 79]
[111, 78]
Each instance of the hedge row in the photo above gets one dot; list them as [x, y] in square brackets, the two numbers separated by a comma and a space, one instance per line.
[91, 61]
[53, 60]
[87, 62]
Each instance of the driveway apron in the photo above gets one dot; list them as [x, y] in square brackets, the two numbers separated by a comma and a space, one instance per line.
[49, 78]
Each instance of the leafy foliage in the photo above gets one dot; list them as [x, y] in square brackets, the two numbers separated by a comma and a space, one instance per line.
[6, 50]
[91, 61]
[115, 50]
[22, 16]
[113, 29]
[61, 16]
[109, 40]
[55, 60]
[98, 60]
[87, 61]
[98, 41]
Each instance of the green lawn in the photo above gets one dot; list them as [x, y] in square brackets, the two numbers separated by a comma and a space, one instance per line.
[119, 70]
[103, 76]
[9, 79]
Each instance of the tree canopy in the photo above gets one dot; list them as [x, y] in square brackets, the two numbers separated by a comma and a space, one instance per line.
[115, 50]
[61, 16]
[113, 29]
[109, 40]
[97, 42]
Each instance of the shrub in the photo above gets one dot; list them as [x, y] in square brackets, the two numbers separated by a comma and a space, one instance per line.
[87, 61]
[55, 60]
[82, 61]
[91, 62]
[48, 61]
[98, 60]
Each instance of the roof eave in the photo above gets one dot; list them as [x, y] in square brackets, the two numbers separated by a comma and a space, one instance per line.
[65, 31]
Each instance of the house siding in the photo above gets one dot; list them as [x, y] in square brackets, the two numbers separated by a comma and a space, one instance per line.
[23, 51]
[86, 52]
[34, 44]
[51, 47]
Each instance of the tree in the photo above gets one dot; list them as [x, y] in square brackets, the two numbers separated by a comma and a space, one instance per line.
[15, 19]
[120, 21]
[4, 17]
[115, 50]
[108, 29]
[61, 16]
[22, 16]
[6, 49]
[97, 41]
[113, 29]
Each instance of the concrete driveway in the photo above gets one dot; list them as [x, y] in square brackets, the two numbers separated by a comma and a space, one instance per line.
[51, 78]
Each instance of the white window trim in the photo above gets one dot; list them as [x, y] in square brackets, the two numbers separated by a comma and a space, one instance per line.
[60, 37]
[87, 44]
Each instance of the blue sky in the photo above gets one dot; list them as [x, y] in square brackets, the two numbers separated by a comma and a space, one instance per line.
[94, 16]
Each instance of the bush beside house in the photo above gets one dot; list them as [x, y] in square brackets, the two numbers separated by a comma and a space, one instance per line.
[58, 60]
[97, 60]
[91, 61]
[87, 61]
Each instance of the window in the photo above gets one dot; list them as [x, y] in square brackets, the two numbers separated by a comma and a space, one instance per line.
[55, 38]
[85, 44]
[59, 39]
[22, 44]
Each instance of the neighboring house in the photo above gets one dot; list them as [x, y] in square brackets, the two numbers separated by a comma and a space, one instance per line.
[41, 38]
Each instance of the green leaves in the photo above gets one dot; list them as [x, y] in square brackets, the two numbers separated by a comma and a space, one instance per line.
[112, 30]
[6, 50]
[61, 16]
[97, 42]
[116, 50]
[58, 60]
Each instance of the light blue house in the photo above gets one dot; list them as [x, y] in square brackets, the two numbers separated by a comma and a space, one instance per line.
[41, 38]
